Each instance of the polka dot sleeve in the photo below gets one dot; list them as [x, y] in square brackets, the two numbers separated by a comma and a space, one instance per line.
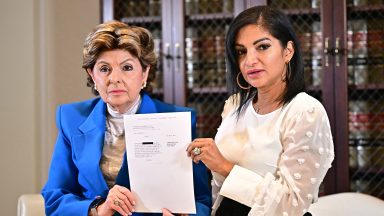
[307, 154]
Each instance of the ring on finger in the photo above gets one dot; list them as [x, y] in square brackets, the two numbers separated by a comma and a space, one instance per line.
[116, 202]
[196, 151]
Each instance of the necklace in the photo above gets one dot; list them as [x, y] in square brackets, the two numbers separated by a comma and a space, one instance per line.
[256, 107]
[267, 107]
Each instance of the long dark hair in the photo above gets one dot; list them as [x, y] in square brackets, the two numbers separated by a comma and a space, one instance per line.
[279, 27]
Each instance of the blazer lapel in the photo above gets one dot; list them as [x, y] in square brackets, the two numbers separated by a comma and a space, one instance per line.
[147, 105]
[88, 147]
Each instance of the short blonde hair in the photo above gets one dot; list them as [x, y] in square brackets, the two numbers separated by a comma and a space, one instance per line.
[112, 35]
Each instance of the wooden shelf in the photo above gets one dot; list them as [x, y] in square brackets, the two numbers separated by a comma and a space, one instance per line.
[371, 91]
[141, 20]
[366, 8]
[366, 142]
[302, 11]
[367, 87]
[209, 90]
[213, 16]
[373, 11]
[366, 91]
[366, 173]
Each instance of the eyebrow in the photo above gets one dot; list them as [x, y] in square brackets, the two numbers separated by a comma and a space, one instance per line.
[256, 41]
[105, 62]
[102, 62]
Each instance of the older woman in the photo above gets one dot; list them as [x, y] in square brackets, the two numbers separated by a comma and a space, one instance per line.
[274, 145]
[89, 173]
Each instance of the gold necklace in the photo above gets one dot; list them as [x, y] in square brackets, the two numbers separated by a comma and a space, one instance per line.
[258, 108]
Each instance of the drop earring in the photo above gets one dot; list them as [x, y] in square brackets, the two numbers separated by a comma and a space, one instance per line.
[287, 74]
[144, 85]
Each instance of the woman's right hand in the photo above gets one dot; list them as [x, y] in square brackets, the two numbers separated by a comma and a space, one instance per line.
[210, 155]
[119, 199]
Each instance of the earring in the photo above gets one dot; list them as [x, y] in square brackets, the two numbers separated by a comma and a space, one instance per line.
[289, 69]
[144, 85]
[95, 87]
[287, 74]
[238, 83]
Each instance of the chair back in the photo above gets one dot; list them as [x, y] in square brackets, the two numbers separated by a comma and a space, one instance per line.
[30, 205]
[348, 203]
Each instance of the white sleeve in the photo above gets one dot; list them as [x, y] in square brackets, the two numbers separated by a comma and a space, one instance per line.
[230, 106]
[306, 156]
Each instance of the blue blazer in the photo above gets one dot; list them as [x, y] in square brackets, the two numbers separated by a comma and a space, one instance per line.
[75, 178]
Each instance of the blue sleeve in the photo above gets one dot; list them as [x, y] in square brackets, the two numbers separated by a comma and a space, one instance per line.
[202, 190]
[62, 192]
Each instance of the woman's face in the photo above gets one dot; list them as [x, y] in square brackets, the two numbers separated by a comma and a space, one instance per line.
[119, 78]
[261, 57]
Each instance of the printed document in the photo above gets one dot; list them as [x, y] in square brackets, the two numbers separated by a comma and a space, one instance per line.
[160, 171]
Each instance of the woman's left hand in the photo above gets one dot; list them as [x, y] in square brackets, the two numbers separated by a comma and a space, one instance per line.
[166, 212]
[209, 155]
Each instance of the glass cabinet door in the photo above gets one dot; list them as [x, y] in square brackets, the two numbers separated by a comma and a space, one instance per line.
[325, 45]
[206, 24]
[365, 29]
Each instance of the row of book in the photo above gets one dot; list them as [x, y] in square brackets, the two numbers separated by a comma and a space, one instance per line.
[304, 4]
[139, 8]
[366, 156]
[136, 8]
[205, 54]
[205, 61]
[193, 7]
[366, 119]
[365, 52]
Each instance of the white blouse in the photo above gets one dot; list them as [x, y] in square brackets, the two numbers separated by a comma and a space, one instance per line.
[280, 158]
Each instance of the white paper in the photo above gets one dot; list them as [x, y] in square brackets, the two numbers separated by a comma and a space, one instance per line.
[160, 173]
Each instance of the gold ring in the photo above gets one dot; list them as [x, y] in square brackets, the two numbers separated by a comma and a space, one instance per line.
[196, 151]
[116, 202]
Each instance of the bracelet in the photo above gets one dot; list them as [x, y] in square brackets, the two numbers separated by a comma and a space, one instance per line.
[96, 203]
